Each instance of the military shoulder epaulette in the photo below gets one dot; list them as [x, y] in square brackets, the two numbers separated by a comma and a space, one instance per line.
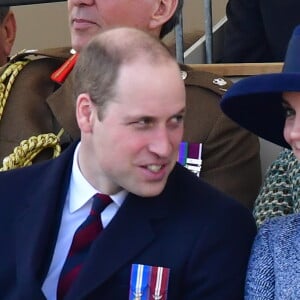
[207, 80]
[58, 54]
[61, 53]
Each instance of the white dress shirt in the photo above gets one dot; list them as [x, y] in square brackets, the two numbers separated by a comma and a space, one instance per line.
[76, 209]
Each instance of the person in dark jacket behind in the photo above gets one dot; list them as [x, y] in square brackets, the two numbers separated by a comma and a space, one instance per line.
[258, 31]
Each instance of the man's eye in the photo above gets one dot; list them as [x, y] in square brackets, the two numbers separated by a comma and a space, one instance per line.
[145, 122]
[177, 119]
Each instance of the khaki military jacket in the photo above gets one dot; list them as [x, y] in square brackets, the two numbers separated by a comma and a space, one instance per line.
[37, 105]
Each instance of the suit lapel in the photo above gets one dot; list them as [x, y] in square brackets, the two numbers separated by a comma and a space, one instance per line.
[37, 225]
[34, 239]
[130, 232]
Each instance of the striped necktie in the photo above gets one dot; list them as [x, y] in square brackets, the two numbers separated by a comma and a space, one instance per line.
[83, 238]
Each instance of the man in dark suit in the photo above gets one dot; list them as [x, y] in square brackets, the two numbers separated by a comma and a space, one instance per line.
[259, 30]
[164, 227]
[230, 154]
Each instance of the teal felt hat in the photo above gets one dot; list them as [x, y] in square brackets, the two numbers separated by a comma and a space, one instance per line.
[256, 101]
[25, 2]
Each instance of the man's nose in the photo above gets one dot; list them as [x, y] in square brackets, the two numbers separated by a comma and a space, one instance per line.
[161, 144]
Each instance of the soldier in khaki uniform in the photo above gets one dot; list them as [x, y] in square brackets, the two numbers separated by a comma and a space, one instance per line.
[39, 101]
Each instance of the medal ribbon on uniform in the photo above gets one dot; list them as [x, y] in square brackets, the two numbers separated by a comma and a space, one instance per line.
[190, 156]
[148, 282]
[183, 153]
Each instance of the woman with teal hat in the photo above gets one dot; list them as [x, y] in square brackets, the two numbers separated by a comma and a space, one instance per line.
[269, 105]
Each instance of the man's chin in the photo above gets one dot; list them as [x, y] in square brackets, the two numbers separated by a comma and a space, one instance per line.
[151, 190]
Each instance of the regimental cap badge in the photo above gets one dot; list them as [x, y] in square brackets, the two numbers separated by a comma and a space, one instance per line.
[219, 81]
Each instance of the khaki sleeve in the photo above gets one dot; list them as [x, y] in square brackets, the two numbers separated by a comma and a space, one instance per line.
[231, 159]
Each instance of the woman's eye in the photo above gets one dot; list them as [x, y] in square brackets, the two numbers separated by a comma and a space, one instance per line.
[289, 112]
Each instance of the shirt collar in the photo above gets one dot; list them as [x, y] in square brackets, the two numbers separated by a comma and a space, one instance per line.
[81, 191]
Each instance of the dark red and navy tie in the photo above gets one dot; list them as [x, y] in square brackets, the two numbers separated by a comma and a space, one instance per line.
[83, 238]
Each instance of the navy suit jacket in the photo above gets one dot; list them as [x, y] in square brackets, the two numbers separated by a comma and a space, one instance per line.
[203, 236]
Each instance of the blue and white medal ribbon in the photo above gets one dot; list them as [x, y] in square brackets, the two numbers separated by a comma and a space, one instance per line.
[139, 283]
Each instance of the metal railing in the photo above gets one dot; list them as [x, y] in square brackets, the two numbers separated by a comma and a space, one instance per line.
[208, 35]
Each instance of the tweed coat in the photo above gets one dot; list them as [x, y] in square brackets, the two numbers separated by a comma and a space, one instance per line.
[280, 192]
[230, 155]
[274, 267]
[202, 236]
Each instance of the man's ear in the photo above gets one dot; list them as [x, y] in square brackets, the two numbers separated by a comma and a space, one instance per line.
[163, 11]
[10, 27]
[85, 111]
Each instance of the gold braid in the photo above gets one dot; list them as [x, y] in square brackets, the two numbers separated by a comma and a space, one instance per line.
[12, 70]
[24, 154]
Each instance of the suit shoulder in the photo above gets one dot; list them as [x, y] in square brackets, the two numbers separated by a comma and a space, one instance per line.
[206, 204]
[31, 178]
[201, 193]
[194, 77]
